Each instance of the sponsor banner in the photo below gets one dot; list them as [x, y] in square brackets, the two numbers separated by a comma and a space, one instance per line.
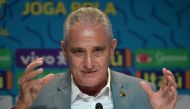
[121, 58]
[6, 102]
[146, 58]
[52, 57]
[58, 7]
[182, 77]
[6, 80]
[5, 58]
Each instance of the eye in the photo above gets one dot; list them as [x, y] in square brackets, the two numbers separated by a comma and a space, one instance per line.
[98, 51]
[78, 52]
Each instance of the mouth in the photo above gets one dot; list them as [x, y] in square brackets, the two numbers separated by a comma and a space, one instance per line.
[89, 71]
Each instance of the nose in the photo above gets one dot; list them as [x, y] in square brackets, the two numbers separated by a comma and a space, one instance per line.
[88, 61]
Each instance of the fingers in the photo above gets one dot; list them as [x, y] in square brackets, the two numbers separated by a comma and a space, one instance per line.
[29, 73]
[146, 88]
[35, 89]
[30, 76]
[168, 88]
[170, 95]
[46, 79]
[169, 77]
[28, 86]
[175, 95]
[35, 63]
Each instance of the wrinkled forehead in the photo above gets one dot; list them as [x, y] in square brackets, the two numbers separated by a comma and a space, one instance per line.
[88, 30]
[88, 34]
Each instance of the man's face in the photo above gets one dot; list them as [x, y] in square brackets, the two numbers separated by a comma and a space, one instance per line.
[88, 52]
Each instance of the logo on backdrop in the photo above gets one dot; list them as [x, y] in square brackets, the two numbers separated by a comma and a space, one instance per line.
[5, 58]
[6, 80]
[60, 8]
[52, 57]
[182, 77]
[121, 58]
[146, 58]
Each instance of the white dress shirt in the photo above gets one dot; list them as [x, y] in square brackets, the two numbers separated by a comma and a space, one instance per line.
[80, 100]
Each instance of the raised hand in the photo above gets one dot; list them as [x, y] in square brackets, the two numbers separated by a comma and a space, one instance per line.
[166, 96]
[29, 87]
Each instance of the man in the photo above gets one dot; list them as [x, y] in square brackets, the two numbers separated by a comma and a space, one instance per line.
[88, 47]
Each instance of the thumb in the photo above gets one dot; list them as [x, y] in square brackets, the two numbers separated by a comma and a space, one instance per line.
[146, 88]
[46, 79]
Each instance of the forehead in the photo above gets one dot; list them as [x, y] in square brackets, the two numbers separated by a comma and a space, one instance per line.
[88, 35]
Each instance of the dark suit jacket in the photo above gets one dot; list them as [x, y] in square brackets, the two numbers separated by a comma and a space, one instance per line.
[126, 92]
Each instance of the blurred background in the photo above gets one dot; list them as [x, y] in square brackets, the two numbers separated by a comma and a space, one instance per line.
[151, 34]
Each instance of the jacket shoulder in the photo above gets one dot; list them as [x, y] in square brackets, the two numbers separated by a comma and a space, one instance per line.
[135, 97]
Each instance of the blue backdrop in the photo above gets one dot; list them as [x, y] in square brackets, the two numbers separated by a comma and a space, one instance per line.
[151, 34]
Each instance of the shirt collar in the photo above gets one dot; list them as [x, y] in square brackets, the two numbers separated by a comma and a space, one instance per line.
[77, 94]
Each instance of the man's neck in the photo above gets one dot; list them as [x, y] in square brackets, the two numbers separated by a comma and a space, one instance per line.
[93, 91]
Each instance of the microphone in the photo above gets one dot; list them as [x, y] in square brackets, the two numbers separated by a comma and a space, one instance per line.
[99, 106]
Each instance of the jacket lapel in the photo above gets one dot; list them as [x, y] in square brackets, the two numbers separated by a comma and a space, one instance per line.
[63, 95]
[119, 93]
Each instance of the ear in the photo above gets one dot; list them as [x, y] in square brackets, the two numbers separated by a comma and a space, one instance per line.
[63, 47]
[113, 46]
